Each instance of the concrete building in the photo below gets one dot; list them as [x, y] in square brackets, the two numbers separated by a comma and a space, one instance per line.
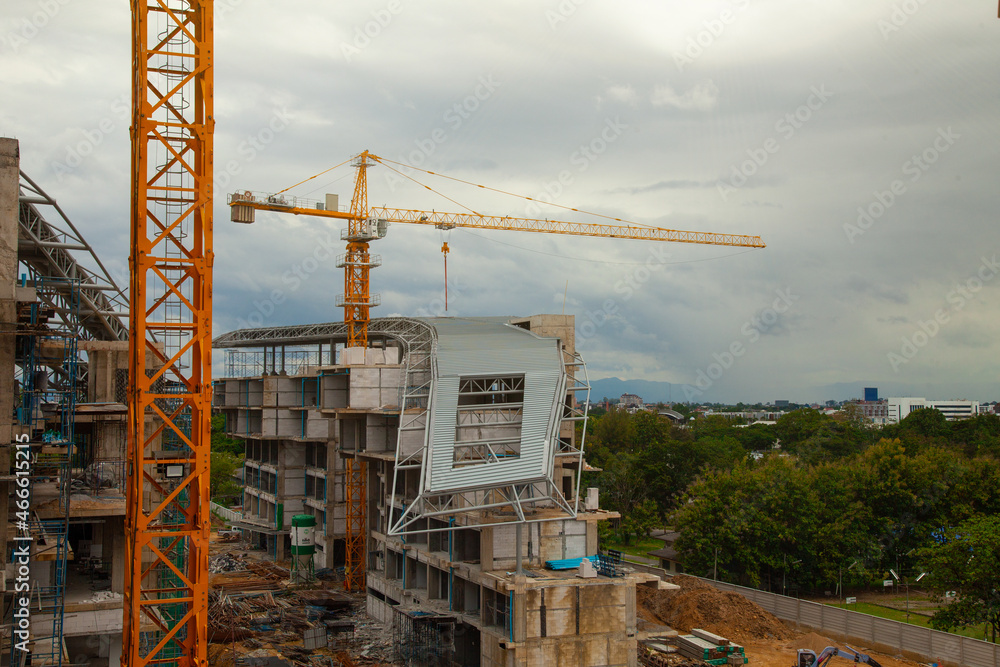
[63, 375]
[899, 408]
[630, 401]
[876, 411]
[467, 432]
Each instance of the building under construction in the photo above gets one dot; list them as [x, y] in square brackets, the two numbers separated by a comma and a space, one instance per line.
[63, 378]
[442, 464]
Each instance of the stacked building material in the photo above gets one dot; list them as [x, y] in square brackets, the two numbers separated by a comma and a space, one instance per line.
[711, 648]
[656, 653]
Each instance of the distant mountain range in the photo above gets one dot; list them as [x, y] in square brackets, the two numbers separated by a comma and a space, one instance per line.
[665, 392]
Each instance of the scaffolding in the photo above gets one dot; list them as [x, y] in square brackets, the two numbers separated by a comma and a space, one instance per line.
[47, 375]
[423, 638]
[254, 363]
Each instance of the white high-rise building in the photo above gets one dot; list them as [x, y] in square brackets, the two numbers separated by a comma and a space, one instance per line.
[899, 408]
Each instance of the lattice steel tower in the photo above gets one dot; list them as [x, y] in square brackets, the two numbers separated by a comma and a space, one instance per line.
[167, 522]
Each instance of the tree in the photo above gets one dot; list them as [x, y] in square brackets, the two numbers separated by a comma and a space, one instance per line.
[798, 426]
[222, 442]
[682, 409]
[758, 517]
[615, 430]
[967, 560]
[223, 487]
[621, 484]
[979, 435]
[639, 522]
[648, 429]
[756, 437]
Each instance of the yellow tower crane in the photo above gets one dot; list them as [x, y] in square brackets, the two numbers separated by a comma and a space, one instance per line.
[365, 224]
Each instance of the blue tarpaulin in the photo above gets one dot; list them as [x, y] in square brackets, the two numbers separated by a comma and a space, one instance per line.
[566, 563]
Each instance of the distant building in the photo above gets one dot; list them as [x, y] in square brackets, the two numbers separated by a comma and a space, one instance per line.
[752, 416]
[871, 394]
[630, 401]
[781, 403]
[669, 560]
[876, 411]
[899, 408]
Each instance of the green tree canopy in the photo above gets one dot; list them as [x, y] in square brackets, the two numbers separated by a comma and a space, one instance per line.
[223, 487]
[967, 560]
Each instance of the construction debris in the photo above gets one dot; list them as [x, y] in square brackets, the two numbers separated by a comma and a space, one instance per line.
[226, 562]
[254, 575]
[655, 653]
[258, 619]
[104, 596]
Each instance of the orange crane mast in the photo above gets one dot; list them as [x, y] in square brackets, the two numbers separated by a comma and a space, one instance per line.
[167, 520]
[366, 224]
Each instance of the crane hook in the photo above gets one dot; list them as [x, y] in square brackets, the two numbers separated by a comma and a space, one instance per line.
[444, 251]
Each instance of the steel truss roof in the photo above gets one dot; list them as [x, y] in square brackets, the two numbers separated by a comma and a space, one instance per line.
[46, 248]
[404, 329]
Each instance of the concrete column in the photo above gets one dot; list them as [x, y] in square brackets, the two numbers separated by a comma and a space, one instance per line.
[115, 654]
[105, 358]
[9, 180]
[115, 547]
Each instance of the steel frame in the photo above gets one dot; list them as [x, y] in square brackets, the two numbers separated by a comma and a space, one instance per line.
[416, 338]
[39, 340]
[489, 504]
[46, 248]
[170, 392]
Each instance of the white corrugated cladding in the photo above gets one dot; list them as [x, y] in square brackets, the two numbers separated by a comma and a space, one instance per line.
[478, 348]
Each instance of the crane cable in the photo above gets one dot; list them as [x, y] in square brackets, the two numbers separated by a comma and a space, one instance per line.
[312, 177]
[383, 161]
[426, 187]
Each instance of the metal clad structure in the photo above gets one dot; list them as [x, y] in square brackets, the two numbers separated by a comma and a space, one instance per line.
[477, 348]
[482, 410]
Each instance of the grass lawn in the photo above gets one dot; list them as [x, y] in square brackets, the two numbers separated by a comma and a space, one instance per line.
[639, 546]
[975, 631]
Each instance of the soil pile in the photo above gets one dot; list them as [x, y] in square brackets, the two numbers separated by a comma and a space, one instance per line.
[699, 605]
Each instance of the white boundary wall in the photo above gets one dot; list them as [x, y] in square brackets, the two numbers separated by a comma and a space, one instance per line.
[226, 513]
[932, 645]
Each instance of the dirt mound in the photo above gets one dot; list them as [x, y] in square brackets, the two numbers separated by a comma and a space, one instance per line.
[699, 605]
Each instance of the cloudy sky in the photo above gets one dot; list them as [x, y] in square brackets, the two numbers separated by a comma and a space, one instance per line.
[858, 138]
